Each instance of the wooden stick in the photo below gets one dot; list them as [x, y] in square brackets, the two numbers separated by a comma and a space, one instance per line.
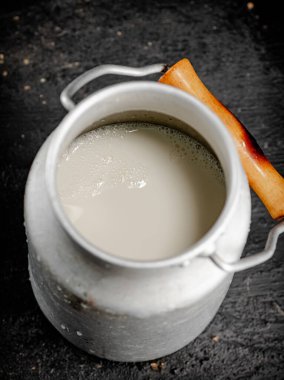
[263, 177]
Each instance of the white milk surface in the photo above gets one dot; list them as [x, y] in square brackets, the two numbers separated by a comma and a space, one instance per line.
[140, 191]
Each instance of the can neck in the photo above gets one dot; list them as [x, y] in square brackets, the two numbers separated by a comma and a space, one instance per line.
[143, 98]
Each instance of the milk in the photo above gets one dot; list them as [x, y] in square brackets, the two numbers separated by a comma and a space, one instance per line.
[140, 191]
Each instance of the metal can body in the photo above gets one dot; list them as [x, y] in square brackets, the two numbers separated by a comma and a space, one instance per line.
[114, 309]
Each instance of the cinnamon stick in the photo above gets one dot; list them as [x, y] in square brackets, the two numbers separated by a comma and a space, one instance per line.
[263, 178]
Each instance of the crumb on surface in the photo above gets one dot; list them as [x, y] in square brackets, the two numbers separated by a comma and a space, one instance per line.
[2, 58]
[16, 18]
[42, 80]
[278, 309]
[4, 73]
[71, 65]
[215, 338]
[27, 87]
[156, 366]
[250, 5]
[26, 61]
[119, 33]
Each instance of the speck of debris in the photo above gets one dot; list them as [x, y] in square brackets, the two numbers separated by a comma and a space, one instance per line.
[16, 18]
[157, 366]
[27, 87]
[79, 333]
[119, 33]
[154, 366]
[250, 5]
[149, 43]
[22, 136]
[98, 365]
[278, 309]
[2, 58]
[26, 61]
[215, 338]
[34, 368]
[42, 96]
[4, 73]
[44, 102]
[42, 80]
[71, 65]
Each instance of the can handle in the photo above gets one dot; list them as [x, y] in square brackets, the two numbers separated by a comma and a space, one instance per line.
[256, 259]
[88, 76]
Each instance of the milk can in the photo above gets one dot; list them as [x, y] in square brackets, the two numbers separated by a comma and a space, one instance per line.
[116, 308]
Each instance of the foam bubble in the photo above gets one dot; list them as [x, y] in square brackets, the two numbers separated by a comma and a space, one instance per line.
[107, 172]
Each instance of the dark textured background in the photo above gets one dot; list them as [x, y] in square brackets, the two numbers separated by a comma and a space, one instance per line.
[239, 53]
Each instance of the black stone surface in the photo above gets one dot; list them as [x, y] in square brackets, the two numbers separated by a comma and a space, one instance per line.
[239, 53]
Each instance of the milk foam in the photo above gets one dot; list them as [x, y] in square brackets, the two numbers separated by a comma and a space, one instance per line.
[140, 191]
